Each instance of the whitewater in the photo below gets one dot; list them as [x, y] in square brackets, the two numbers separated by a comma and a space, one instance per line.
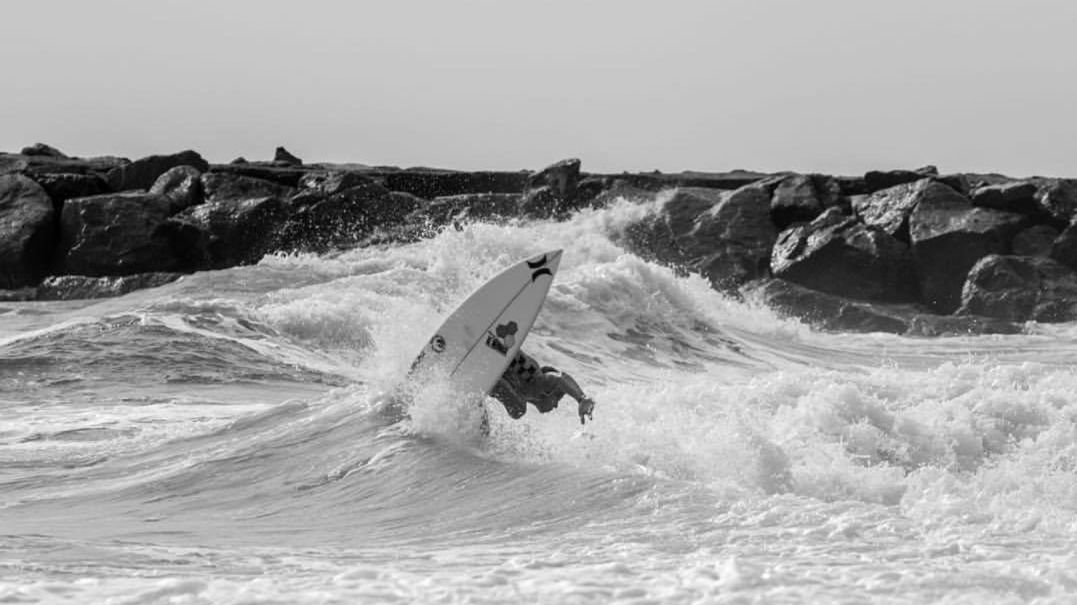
[219, 440]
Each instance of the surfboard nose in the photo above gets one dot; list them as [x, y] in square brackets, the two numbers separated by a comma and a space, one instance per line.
[545, 263]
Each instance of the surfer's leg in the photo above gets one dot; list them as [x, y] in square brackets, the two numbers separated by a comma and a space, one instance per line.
[514, 404]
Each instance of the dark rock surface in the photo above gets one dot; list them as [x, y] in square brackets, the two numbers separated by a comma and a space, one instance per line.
[889, 250]
[41, 149]
[228, 232]
[1064, 248]
[948, 235]
[26, 231]
[794, 200]
[1037, 240]
[282, 156]
[838, 255]
[1021, 288]
[141, 173]
[218, 186]
[115, 234]
[724, 236]
[182, 185]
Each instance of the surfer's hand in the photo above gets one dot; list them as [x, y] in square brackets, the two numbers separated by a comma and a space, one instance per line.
[587, 409]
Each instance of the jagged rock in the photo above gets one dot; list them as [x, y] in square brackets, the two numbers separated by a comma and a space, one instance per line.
[948, 235]
[1021, 288]
[1058, 199]
[1016, 196]
[182, 185]
[889, 209]
[229, 186]
[1064, 248]
[63, 186]
[41, 149]
[284, 157]
[228, 232]
[27, 231]
[725, 236]
[824, 311]
[75, 287]
[877, 180]
[1037, 240]
[141, 173]
[837, 255]
[115, 234]
[474, 206]
[560, 179]
[794, 200]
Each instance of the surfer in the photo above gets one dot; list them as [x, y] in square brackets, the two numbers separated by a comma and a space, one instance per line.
[525, 381]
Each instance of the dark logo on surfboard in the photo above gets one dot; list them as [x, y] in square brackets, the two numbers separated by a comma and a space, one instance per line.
[503, 337]
[538, 267]
[437, 343]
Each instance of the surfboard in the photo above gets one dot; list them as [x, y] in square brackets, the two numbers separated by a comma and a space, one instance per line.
[478, 340]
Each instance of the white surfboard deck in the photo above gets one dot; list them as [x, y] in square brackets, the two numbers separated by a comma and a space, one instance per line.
[478, 340]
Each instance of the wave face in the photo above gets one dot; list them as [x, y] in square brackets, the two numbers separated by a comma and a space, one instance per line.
[220, 439]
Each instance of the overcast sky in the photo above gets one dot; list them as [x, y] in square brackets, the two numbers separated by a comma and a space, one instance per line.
[838, 86]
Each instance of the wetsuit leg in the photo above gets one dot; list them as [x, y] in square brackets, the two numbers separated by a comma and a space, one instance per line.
[514, 404]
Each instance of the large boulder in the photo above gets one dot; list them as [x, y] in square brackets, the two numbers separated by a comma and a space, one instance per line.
[726, 236]
[1014, 196]
[228, 232]
[43, 150]
[877, 180]
[552, 190]
[27, 231]
[182, 185]
[141, 173]
[1021, 288]
[1058, 200]
[115, 234]
[218, 186]
[948, 235]
[794, 201]
[838, 255]
[62, 186]
[889, 209]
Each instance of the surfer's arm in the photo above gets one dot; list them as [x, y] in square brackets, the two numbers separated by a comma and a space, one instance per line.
[586, 405]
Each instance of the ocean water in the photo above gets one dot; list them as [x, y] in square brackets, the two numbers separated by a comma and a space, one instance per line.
[219, 440]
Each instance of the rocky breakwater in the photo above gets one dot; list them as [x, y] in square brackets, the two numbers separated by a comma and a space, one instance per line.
[898, 251]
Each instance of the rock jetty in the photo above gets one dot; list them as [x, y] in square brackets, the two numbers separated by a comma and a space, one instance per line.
[903, 251]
